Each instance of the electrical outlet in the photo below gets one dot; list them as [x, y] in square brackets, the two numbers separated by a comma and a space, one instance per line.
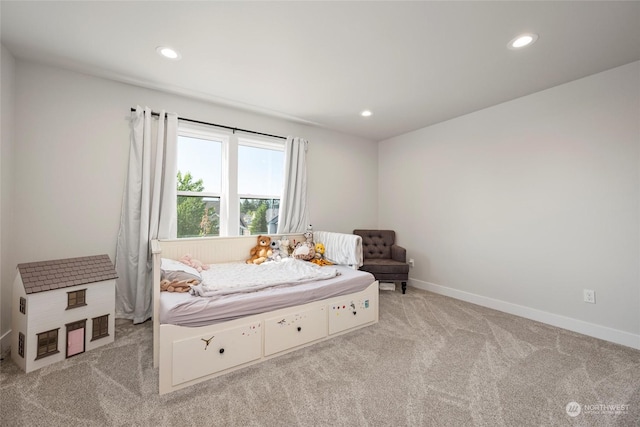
[411, 263]
[590, 296]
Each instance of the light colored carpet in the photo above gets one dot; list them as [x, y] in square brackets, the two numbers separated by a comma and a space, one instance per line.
[431, 361]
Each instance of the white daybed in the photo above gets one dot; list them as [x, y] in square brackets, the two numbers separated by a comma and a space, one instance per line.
[186, 355]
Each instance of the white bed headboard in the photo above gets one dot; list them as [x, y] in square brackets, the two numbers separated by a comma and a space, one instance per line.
[212, 250]
[341, 248]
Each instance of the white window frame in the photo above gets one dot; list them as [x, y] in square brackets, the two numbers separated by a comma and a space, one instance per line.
[203, 132]
[229, 197]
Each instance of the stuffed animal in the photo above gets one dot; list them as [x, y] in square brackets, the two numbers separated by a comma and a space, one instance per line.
[319, 258]
[261, 251]
[305, 250]
[319, 250]
[187, 259]
[286, 248]
[177, 285]
[275, 251]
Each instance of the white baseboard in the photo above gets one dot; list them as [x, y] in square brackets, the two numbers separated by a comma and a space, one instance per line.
[579, 326]
[5, 344]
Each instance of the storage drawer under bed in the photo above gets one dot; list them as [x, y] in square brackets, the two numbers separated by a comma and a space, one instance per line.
[206, 354]
[294, 329]
[350, 313]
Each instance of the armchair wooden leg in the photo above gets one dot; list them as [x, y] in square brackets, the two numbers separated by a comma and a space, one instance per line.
[404, 287]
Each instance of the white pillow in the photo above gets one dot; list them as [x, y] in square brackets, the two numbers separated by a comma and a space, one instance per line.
[173, 265]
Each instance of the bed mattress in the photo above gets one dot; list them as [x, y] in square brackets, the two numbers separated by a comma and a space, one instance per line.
[184, 309]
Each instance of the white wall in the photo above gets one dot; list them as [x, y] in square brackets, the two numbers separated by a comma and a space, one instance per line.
[7, 266]
[71, 153]
[523, 205]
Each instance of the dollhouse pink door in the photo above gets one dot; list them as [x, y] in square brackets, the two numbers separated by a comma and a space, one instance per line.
[75, 339]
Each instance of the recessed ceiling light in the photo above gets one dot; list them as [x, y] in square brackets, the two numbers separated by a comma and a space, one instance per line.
[522, 40]
[366, 113]
[168, 52]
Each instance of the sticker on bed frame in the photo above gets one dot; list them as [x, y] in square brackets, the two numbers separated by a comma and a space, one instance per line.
[337, 308]
[296, 318]
[207, 342]
[253, 329]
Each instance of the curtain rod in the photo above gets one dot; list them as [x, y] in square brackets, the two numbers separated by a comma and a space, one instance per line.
[153, 113]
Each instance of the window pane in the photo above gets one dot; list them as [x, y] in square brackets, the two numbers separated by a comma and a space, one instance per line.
[260, 171]
[258, 216]
[201, 159]
[100, 327]
[198, 216]
[53, 341]
[47, 343]
[76, 298]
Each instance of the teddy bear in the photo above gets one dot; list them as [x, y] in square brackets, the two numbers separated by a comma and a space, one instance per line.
[305, 250]
[261, 251]
[187, 259]
[275, 251]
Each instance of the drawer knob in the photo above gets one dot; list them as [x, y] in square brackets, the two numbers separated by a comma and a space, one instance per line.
[221, 350]
[354, 312]
[299, 328]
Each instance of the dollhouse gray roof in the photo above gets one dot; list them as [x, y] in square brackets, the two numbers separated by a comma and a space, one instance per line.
[62, 273]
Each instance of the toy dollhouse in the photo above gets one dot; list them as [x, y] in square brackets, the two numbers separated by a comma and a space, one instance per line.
[61, 308]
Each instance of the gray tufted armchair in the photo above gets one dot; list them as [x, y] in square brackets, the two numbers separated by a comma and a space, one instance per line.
[382, 257]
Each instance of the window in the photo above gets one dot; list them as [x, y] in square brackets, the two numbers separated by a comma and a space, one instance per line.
[227, 185]
[100, 327]
[21, 344]
[23, 305]
[199, 183]
[47, 344]
[76, 298]
[258, 216]
[260, 182]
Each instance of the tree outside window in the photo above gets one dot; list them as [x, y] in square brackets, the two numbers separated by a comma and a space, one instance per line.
[259, 216]
[198, 216]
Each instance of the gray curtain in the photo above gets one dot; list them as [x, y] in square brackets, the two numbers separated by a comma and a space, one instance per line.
[148, 209]
[293, 215]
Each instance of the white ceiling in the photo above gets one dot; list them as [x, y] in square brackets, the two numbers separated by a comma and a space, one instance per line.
[412, 63]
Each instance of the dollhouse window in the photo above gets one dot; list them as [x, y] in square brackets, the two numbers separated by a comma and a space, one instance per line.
[23, 305]
[47, 343]
[100, 327]
[21, 344]
[76, 298]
